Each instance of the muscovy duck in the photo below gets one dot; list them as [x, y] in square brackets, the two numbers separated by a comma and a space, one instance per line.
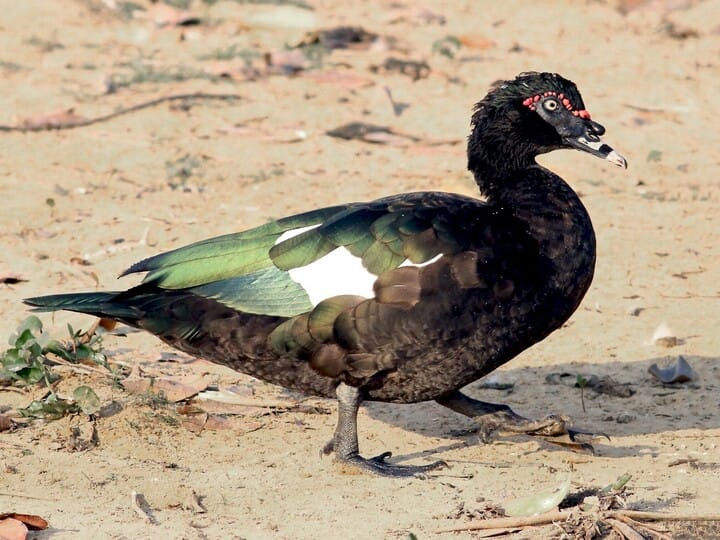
[403, 299]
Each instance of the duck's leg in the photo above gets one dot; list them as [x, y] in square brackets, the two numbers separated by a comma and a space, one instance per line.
[345, 441]
[493, 417]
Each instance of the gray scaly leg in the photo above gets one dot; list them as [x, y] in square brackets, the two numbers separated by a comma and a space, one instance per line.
[345, 441]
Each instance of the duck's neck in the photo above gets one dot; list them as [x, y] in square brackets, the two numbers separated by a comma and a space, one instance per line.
[552, 212]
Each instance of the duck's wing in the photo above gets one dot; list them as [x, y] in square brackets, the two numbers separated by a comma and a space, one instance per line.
[287, 267]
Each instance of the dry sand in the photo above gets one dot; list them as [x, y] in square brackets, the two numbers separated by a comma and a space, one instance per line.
[651, 76]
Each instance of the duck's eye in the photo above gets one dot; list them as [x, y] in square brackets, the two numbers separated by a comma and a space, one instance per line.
[551, 104]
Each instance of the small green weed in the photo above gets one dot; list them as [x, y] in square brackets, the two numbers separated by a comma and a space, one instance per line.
[447, 46]
[142, 72]
[231, 52]
[26, 362]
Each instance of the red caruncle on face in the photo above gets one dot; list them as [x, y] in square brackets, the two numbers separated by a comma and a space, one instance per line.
[532, 101]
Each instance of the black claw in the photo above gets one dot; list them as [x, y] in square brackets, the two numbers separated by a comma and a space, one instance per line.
[382, 457]
[378, 465]
[582, 436]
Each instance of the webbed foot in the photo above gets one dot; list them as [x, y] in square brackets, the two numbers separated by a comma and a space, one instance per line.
[495, 417]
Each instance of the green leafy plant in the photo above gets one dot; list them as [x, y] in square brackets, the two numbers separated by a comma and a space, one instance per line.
[27, 362]
[82, 347]
[24, 361]
[53, 407]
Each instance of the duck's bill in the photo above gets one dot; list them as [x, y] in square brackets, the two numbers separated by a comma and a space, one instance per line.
[599, 149]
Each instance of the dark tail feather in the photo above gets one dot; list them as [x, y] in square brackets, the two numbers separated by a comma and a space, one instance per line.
[100, 304]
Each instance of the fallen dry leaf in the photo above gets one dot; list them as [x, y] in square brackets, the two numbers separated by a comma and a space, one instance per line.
[215, 422]
[370, 133]
[416, 70]
[80, 261]
[12, 529]
[195, 422]
[472, 41]
[34, 523]
[665, 337]
[179, 388]
[53, 120]
[136, 385]
[11, 278]
[173, 388]
[286, 61]
[345, 79]
[340, 37]
[6, 423]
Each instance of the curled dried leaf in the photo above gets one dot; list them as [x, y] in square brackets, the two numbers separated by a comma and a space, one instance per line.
[538, 503]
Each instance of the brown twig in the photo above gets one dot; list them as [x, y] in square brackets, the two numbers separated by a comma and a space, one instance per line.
[655, 530]
[49, 126]
[15, 494]
[559, 515]
[682, 461]
[625, 530]
[510, 522]
[661, 516]
[79, 368]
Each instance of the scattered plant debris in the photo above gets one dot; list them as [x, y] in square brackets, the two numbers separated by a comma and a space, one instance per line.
[366, 132]
[588, 514]
[663, 336]
[374, 134]
[602, 385]
[674, 31]
[340, 37]
[414, 69]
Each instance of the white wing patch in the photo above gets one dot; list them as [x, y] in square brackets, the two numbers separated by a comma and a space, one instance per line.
[407, 262]
[339, 272]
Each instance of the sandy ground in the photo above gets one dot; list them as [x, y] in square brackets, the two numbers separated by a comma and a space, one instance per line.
[168, 175]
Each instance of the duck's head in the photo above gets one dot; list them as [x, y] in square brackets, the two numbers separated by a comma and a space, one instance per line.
[532, 114]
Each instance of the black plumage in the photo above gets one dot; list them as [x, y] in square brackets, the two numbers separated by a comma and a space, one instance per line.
[462, 285]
